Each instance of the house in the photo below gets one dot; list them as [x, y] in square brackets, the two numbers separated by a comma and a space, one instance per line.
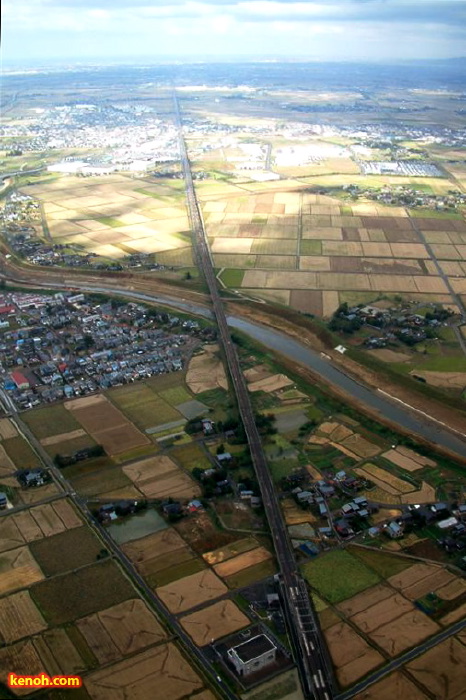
[207, 426]
[343, 528]
[194, 506]
[3, 500]
[20, 380]
[447, 523]
[253, 655]
[224, 457]
[394, 530]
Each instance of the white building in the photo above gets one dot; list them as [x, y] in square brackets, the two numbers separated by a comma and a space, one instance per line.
[253, 655]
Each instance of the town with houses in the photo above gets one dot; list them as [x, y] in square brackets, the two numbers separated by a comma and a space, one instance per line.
[64, 346]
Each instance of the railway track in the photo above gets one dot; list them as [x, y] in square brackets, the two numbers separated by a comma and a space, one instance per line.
[310, 652]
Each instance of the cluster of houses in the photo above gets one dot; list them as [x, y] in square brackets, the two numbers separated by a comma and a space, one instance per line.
[55, 347]
[402, 195]
[394, 324]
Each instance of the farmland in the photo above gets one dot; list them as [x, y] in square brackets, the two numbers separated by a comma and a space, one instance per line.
[113, 216]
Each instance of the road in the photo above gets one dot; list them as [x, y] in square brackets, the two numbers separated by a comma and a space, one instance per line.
[193, 652]
[310, 652]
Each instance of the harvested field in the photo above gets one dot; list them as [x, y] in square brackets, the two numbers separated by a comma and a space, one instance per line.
[62, 649]
[450, 657]
[385, 480]
[453, 616]
[405, 632]
[352, 656]
[19, 617]
[229, 551]
[130, 626]
[411, 576]
[396, 685]
[202, 534]
[421, 459]
[63, 437]
[155, 674]
[362, 601]
[426, 494]
[106, 424]
[402, 460]
[22, 659]
[61, 598]
[18, 569]
[214, 622]
[306, 301]
[191, 591]
[449, 380]
[160, 477]
[270, 384]
[421, 588]
[206, 371]
[382, 613]
[242, 561]
[452, 590]
[158, 552]
[362, 447]
[10, 536]
[66, 551]
[7, 429]
[293, 514]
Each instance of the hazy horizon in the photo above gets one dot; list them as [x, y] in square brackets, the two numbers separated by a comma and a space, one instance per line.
[97, 31]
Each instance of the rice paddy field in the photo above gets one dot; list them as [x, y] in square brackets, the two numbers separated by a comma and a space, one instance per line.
[309, 251]
[117, 215]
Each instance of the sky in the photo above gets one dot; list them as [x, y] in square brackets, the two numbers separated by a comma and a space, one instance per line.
[38, 31]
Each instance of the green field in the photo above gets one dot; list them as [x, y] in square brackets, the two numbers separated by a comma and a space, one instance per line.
[66, 551]
[110, 221]
[68, 447]
[100, 482]
[309, 247]
[61, 598]
[337, 575]
[176, 395]
[382, 563]
[434, 214]
[190, 457]
[143, 406]
[232, 278]
[51, 420]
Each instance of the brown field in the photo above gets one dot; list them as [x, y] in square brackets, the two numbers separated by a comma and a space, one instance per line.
[409, 462]
[155, 545]
[396, 685]
[23, 659]
[55, 439]
[404, 632]
[352, 656]
[191, 591]
[155, 674]
[452, 590]
[359, 445]
[18, 569]
[106, 424]
[452, 380]
[361, 601]
[428, 584]
[450, 657]
[293, 514]
[214, 622]
[381, 483]
[242, 561]
[270, 384]
[426, 494]
[453, 616]
[385, 480]
[382, 612]
[306, 301]
[229, 551]
[61, 649]
[206, 371]
[19, 617]
[160, 477]
[129, 627]
[10, 536]
[7, 429]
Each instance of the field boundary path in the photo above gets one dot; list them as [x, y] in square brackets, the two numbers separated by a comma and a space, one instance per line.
[310, 652]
